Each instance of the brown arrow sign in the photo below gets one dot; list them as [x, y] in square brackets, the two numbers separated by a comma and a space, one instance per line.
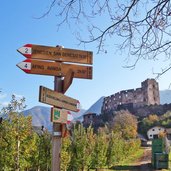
[54, 98]
[55, 68]
[56, 54]
[68, 80]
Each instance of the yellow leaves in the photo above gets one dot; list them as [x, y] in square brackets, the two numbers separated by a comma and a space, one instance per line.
[153, 118]
[162, 134]
[125, 123]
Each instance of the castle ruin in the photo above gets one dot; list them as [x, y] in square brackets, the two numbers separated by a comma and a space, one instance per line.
[148, 94]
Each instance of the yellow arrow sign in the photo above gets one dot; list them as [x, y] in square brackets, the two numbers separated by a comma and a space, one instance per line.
[55, 68]
[56, 54]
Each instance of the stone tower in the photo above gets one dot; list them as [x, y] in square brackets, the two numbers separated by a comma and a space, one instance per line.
[147, 94]
[150, 90]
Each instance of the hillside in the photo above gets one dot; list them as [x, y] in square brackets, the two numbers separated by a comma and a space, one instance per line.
[96, 107]
[41, 116]
[165, 96]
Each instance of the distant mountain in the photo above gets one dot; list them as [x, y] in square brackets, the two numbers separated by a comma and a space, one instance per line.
[96, 107]
[165, 96]
[41, 116]
[78, 115]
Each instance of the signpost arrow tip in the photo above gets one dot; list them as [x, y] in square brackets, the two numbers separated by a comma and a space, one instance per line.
[25, 66]
[26, 50]
[78, 106]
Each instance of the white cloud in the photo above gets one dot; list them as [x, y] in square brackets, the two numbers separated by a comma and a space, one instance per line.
[4, 104]
[3, 95]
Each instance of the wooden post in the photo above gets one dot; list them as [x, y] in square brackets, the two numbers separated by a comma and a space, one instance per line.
[57, 132]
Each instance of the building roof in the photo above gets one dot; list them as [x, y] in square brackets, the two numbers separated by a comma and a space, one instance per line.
[156, 127]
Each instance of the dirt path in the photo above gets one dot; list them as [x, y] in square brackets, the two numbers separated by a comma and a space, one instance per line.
[144, 163]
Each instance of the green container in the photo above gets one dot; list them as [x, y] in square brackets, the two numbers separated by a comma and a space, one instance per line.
[157, 142]
[153, 162]
[161, 157]
[157, 149]
[162, 165]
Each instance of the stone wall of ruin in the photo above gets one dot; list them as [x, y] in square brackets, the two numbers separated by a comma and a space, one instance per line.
[148, 94]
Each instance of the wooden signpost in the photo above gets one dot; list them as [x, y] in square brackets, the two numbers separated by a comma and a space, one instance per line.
[55, 68]
[56, 54]
[45, 60]
[68, 80]
[55, 98]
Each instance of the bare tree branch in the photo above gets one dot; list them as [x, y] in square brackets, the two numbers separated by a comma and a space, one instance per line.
[162, 72]
[141, 26]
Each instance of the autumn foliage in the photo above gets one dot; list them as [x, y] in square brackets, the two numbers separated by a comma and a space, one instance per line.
[22, 148]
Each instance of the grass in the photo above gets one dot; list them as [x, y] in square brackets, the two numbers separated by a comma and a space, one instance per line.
[133, 158]
[128, 161]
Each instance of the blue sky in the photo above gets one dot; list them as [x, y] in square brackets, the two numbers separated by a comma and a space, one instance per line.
[19, 27]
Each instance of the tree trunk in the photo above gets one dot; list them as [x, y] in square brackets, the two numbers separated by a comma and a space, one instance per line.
[18, 155]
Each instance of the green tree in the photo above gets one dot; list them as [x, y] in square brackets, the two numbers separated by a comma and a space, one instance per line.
[39, 158]
[152, 119]
[33, 153]
[6, 149]
[82, 148]
[21, 148]
[165, 120]
[148, 122]
[43, 143]
[125, 123]
[16, 136]
[65, 154]
[116, 149]
[100, 151]
[131, 147]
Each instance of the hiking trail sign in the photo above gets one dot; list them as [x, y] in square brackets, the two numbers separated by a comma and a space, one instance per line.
[59, 115]
[68, 80]
[45, 60]
[56, 54]
[55, 68]
[55, 98]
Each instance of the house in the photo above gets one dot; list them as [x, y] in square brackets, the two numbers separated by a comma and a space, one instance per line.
[154, 132]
